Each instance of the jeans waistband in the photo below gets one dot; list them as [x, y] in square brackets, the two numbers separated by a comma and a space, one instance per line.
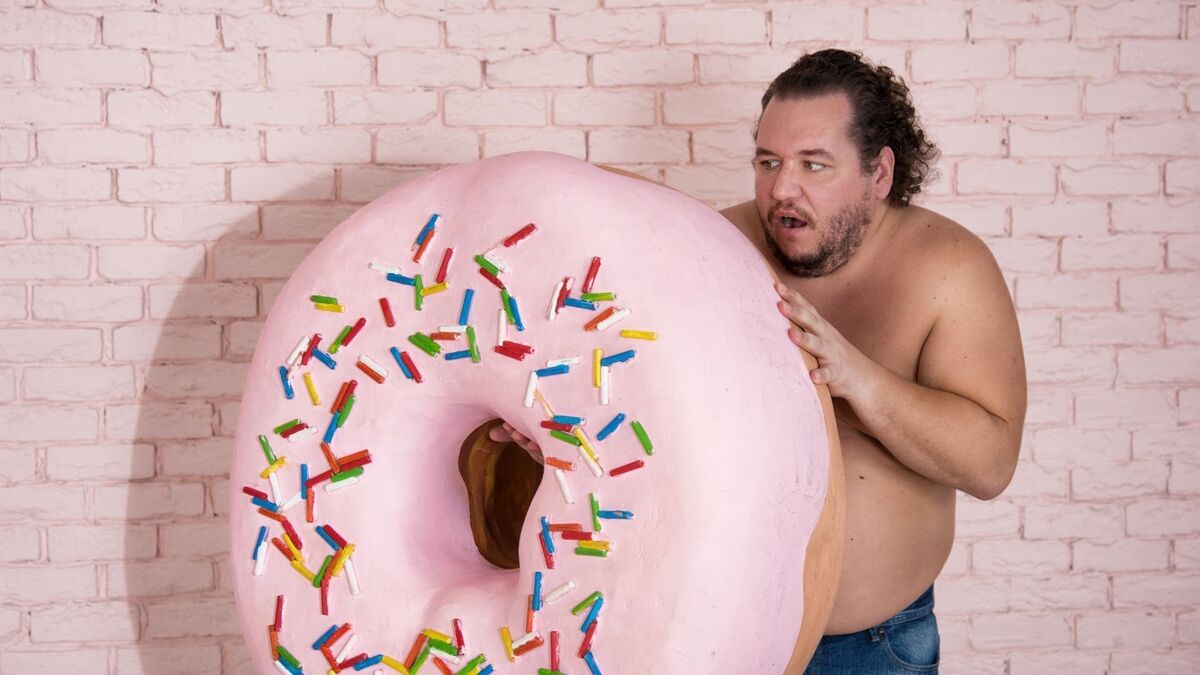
[919, 608]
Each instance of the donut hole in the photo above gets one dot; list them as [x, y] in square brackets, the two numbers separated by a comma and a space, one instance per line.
[501, 479]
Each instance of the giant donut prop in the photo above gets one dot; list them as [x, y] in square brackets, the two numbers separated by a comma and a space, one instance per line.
[688, 516]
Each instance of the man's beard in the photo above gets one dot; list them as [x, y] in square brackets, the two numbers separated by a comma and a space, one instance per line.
[841, 237]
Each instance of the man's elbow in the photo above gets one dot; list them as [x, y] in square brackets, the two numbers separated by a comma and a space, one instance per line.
[997, 476]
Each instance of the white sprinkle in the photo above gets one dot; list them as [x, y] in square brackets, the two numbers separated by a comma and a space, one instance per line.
[605, 385]
[345, 650]
[524, 640]
[301, 435]
[291, 502]
[559, 592]
[596, 470]
[502, 331]
[496, 260]
[453, 329]
[297, 351]
[280, 668]
[571, 361]
[341, 484]
[552, 310]
[613, 318]
[260, 561]
[351, 577]
[276, 495]
[530, 388]
[370, 363]
[386, 269]
[562, 485]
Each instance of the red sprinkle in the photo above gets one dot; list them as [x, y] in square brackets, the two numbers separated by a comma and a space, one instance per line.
[554, 650]
[282, 547]
[626, 468]
[337, 635]
[560, 463]
[591, 325]
[424, 245]
[309, 501]
[565, 428]
[587, 638]
[272, 515]
[505, 350]
[278, 626]
[577, 535]
[546, 553]
[441, 274]
[387, 312]
[444, 336]
[590, 279]
[293, 429]
[529, 614]
[441, 665]
[370, 373]
[325, 598]
[412, 367]
[341, 397]
[328, 452]
[517, 346]
[329, 656]
[563, 292]
[360, 459]
[458, 635]
[291, 532]
[565, 527]
[492, 278]
[531, 645]
[349, 663]
[519, 235]
[319, 478]
[255, 493]
[416, 649]
[274, 639]
[312, 344]
[358, 326]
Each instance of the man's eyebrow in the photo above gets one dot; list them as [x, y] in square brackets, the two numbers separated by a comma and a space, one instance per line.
[812, 152]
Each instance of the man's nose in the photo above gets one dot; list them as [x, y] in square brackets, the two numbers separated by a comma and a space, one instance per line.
[787, 184]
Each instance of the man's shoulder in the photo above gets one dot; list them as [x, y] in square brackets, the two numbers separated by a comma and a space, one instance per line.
[953, 259]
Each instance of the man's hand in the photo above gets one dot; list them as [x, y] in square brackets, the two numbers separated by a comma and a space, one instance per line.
[841, 366]
[505, 433]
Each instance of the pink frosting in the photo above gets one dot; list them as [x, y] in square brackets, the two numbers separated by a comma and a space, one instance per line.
[708, 574]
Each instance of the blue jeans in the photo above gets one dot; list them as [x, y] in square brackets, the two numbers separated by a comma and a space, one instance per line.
[906, 643]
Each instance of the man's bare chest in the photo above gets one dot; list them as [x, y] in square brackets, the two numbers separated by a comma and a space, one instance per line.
[887, 322]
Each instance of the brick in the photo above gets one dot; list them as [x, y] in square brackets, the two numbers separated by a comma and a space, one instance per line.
[1166, 443]
[159, 30]
[253, 260]
[148, 500]
[986, 519]
[24, 503]
[1128, 407]
[72, 146]
[73, 543]
[993, 176]
[1156, 216]
[725, 185]
[952, 101]
[21, 544]
[1056, 521]
[1018, 557]
[1183, 252]
[1025, 255]
[1059, 592]
[1120, 555]
[362, 184]
[1056, 662]
[1166, 291]
[637, 145]
[384, 107]
[49, 106]
[1039, 329]
[1187, 554]
[794, 24]
[151, 261]
[15, 145]
[600, 31]
[643, 66]
[1131, 95]
[1156, 590]
[146, 107]
[1144, 366]
[1023, 20]
[1065, 366]
[1125, 630]
[273, 108]
[1079, 292]
[184, 147]
[566, 141]
[1110, 178]
[178, 659]
[1160, 56]
[1060, 218]
[204, 222]
[722, 145]
[44, 584]
[913, 24]
[1048, 405]
[1058, 139]
[1053, 98]
[1132, 251]
[50, 345]
[552, 69]
[317, 68]
[1189, 627]
[972, 595]
[1179, 138]
[959, 62]
[1071, 447]
[105, 462]
[20, 464]
[384, 30]
[27, 262]
[310, 221]
[159, 577]
[302, 6]
[191, 618]
[1011, 630]
[45, 27]
[497, 107]
[204, 69]
[712, 104]
[1183, 177]
[498, 30]
[159, 342]
[600, 107]
[319, 145]
[1139, 19]
[85, 622]
[99, 302]
[219, 499]
[1110, 328]
[170, 185]
[718, 26]
[78, 383]
[78, 661]
[1129, 480]
[206, 457]
[1163, 517]
[271, 30]
[1178, 660]
[968, 139]
[243, 338]
[12, 306]
[1185, 477]
[158, 420]
[1182, 330]
[427, 146]
[757, 68]
[429, 69]
[206, 540]
[37, 183]
[281, 183]
[1063, 59]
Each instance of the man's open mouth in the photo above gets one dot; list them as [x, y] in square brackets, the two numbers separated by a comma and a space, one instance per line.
[789, 222]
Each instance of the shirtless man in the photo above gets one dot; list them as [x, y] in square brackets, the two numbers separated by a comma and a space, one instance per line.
[915, 333]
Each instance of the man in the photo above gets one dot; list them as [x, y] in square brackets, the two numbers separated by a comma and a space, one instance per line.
[916, 337]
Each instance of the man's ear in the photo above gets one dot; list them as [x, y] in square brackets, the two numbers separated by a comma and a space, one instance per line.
[884, 173]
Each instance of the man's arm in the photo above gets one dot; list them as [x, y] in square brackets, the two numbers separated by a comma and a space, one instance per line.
[960, 423]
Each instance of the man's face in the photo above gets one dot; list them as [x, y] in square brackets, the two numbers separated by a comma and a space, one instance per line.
[814, 201]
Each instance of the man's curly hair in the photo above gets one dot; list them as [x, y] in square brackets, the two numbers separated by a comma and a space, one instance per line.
[883, 113]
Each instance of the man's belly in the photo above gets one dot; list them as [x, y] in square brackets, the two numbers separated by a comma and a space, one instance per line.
[899, 530]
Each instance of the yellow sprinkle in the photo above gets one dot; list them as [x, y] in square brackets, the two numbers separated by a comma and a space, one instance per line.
[339, 559]
[436, 288]
[434, 635]
[303, 570]
[274, 467]
[296, 556]
[640, 334]
[327, 307]
[395, 665]
[586, 444]
[506, 638]
[597, 354]
[312, 389]
[596, 544]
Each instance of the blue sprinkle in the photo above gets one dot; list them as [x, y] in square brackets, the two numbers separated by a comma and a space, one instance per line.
[262, 536]
[567, 419]
[332, 427]
[324, 637]
[592, 614]
[303, 481]
[325, 358]
[461, 354]
[287, 386]
[368, 662]
[328, 539]
[610, 427]
[581, 304]
[288, 667]
[561, 369]
[464, 314]
[546, 535]
[270, 506]
[427, 229]
[516, 312]
[591, 662]
[618, 358]
[615, 515]
[537, 591]
[400, 362]
[487, 670]
[401, 279]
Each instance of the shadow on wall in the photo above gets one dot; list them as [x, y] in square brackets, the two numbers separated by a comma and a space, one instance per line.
[177, 576]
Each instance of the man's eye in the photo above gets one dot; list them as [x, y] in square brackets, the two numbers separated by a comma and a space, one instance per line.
[768, 163]
[815, 166]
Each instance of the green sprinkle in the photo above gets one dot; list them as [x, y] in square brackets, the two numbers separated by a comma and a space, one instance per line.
[321, 572]
[579, 550]
[504, 296]
[266, 447]
[472, 345]
[595, 511]
[348, 473]
[324, 299]
[346, 407]
[418, 286]
[338, 342]
[472, 664]
[420, 660]
[287, 656]
[547, 671]
[284, 427]
[483, 262]
[443, 647]
[598, 297]
[643, 438]
[585, 603]
[425, 343]
[565, 438]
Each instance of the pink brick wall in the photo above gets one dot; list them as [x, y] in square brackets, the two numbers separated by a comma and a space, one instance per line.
[165, 164]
